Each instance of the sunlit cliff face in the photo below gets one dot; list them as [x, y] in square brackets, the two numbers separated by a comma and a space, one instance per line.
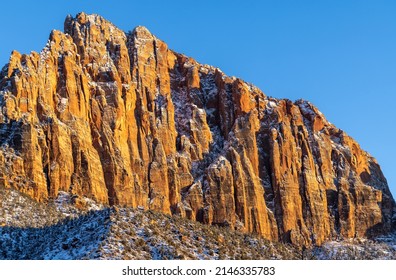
[120, 118]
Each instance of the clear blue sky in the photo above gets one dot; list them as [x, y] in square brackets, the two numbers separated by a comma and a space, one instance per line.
[340, 55]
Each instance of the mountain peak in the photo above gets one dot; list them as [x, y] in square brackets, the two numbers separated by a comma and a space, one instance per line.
[127, 121]
[83, 18]
[142, 32]
[84, 25]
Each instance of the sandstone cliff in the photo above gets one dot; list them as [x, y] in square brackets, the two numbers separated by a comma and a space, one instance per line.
[120, 118]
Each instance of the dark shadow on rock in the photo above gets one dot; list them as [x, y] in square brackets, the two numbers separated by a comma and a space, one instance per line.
[77, 238]
[377, 230]
[387, 205]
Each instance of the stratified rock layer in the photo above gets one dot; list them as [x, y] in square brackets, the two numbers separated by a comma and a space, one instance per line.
[120, 118]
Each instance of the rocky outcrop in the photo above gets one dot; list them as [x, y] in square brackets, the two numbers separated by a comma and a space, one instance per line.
[120, 118]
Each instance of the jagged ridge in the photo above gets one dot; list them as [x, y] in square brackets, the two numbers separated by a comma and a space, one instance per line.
[120, 118]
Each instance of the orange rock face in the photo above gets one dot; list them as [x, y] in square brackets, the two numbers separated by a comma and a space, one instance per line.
[122, 119]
